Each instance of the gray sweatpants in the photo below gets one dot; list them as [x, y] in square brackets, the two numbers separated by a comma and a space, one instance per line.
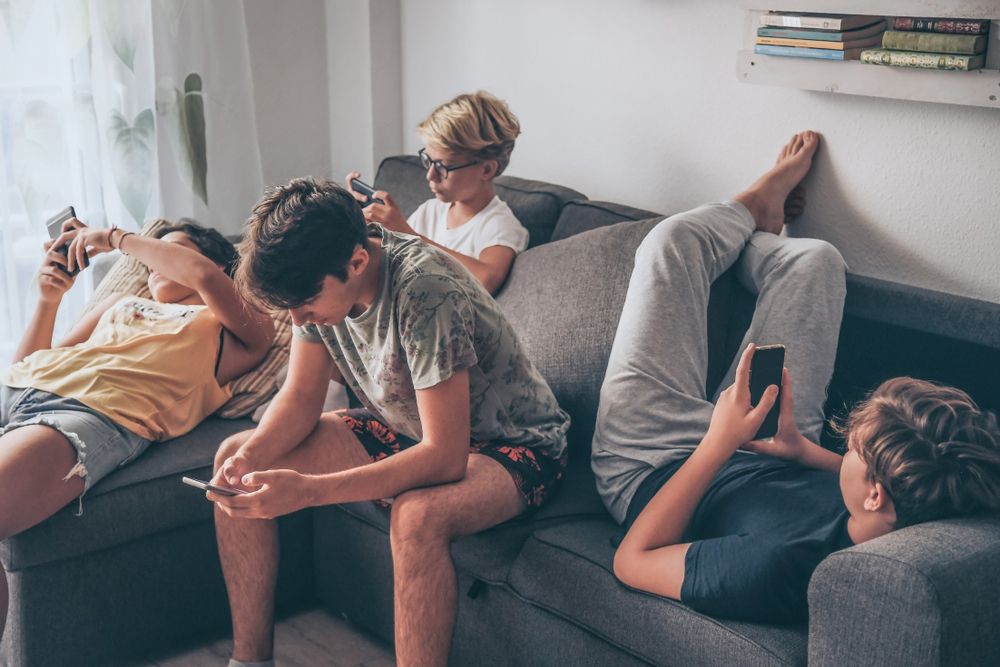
[653, 408]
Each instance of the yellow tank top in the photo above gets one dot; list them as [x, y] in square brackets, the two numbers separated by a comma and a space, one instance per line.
[149, 366]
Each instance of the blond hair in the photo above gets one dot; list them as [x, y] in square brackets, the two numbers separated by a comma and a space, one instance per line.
[478, 124]
[933, 450]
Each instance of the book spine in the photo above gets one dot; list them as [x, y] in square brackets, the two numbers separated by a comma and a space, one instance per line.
[942, 25]
[801, 34]
[945, 61]
[812, 22]
[795, 52]
[918, 41]
[805, 43]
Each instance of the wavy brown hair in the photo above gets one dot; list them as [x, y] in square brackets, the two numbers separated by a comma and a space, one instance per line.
[936, 454]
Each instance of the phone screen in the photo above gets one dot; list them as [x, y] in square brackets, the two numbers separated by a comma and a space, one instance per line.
[208, 486]
[765, 370]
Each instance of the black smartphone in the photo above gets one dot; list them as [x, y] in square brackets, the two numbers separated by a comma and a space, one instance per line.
[54, 226]
[765, 369]
[208, 486]
[367, 191]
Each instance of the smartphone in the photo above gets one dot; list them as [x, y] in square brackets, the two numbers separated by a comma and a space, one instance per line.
[54, 226]
[208, 486]
[765, 370]
[367, 191]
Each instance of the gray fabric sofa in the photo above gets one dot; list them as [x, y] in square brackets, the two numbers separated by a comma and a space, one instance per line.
[139, 570]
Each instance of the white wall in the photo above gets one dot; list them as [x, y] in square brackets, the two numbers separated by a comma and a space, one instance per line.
[636, 101]
[289, 68]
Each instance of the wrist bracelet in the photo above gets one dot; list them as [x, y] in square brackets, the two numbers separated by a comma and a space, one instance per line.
[121, 240]
[111, 231]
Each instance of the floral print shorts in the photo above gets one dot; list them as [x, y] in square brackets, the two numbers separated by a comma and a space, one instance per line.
[536, 475]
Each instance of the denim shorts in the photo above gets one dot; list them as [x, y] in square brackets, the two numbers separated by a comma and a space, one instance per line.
[101, 444]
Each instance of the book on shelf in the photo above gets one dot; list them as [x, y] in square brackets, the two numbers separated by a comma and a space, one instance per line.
[947, 61]
[823, 35]
[971, 45]
[876, 40]
[798, 52]
[957, 26]
[817, 21]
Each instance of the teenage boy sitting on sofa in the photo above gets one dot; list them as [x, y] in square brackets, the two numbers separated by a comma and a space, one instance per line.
[459, 428]
[738, 533]
[468, 142]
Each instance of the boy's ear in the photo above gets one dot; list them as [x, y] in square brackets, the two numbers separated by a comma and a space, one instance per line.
[359, 260]
[490, 168]
[879, 501]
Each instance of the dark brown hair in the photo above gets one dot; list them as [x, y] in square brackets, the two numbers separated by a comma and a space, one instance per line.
[211, 243]
[299, 234]
[933, 450]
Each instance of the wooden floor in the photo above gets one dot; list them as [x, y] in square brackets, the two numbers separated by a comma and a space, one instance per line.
[309, 639]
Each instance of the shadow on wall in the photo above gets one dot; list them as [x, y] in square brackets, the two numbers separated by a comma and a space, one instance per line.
[855, 235]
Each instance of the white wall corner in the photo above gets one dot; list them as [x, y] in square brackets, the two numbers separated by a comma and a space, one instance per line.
[365, 84]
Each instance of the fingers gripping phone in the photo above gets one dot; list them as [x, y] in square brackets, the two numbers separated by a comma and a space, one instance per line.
[367, 191]
[54, 226]
[208, 486]
[765, 369]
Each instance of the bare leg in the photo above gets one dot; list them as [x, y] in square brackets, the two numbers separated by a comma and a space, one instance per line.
[766, 198]
[34, 461]
[249, 547]
[424, 522]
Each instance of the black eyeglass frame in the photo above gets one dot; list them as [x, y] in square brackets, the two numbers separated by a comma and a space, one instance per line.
[441, 169]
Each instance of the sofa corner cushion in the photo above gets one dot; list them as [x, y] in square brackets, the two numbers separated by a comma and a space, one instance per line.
[568, 571]
[143, 498]
[536, 204]
[582, 216]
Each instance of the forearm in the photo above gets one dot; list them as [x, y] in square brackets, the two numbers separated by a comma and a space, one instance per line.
[481, 271]
[814, 456]
[180, 264]
[38, 335]
[419, 466]
[287, 422]
[663, 521]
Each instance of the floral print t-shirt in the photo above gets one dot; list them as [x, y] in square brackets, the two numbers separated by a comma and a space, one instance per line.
[430, 319]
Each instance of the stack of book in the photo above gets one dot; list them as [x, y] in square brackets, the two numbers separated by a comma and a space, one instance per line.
[953, 44]
[826, 36]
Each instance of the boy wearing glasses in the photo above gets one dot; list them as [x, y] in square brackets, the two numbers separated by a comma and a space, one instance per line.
[459, 429]
[468, 142]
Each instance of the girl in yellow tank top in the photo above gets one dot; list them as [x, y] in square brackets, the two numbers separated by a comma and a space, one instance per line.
[131, 372]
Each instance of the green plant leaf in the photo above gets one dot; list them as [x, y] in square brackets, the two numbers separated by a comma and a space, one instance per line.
[184, 116]
[132, 151]
[16, 14]
[40, 158]
[124, 21]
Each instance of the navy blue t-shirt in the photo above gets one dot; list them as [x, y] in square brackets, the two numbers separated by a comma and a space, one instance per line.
[756, 537]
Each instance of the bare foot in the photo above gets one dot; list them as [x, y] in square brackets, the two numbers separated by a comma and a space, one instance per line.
[766, 199]
[795, 204]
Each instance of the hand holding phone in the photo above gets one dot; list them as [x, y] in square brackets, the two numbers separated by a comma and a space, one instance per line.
[55, 229]
[366, 190]
[766, 369]
[208, 486]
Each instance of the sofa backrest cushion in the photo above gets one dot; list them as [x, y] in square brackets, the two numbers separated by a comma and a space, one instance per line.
[564, 300]
[536, 204]
[582, 216]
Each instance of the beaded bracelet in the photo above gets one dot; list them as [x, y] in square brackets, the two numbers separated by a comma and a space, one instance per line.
[111, 231]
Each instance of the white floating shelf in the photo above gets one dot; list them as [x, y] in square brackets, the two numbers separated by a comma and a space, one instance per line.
[979, 88]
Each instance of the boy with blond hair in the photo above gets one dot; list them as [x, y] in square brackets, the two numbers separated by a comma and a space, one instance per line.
[467, 144]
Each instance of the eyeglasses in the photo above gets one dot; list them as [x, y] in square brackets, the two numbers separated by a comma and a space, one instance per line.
[441, 169]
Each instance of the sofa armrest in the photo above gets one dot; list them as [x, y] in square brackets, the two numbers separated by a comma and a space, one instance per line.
[924, 595]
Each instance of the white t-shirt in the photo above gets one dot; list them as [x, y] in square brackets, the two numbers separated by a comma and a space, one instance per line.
[494, 225]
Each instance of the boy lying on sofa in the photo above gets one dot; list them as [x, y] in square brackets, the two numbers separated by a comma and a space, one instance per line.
[738, 533]
[132, 372]
[467, 144]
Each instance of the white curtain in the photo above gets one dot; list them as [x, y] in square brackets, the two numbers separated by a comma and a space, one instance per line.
[126, 109]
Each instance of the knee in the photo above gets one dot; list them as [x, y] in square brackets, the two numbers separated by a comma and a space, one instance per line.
[229, 447]
[415, 523]
[819, 258]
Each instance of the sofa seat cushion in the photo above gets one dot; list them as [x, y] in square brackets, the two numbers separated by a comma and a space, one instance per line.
[582, 216]
[537, 205]
[144, 498]
[567, 570]
[488, 555]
